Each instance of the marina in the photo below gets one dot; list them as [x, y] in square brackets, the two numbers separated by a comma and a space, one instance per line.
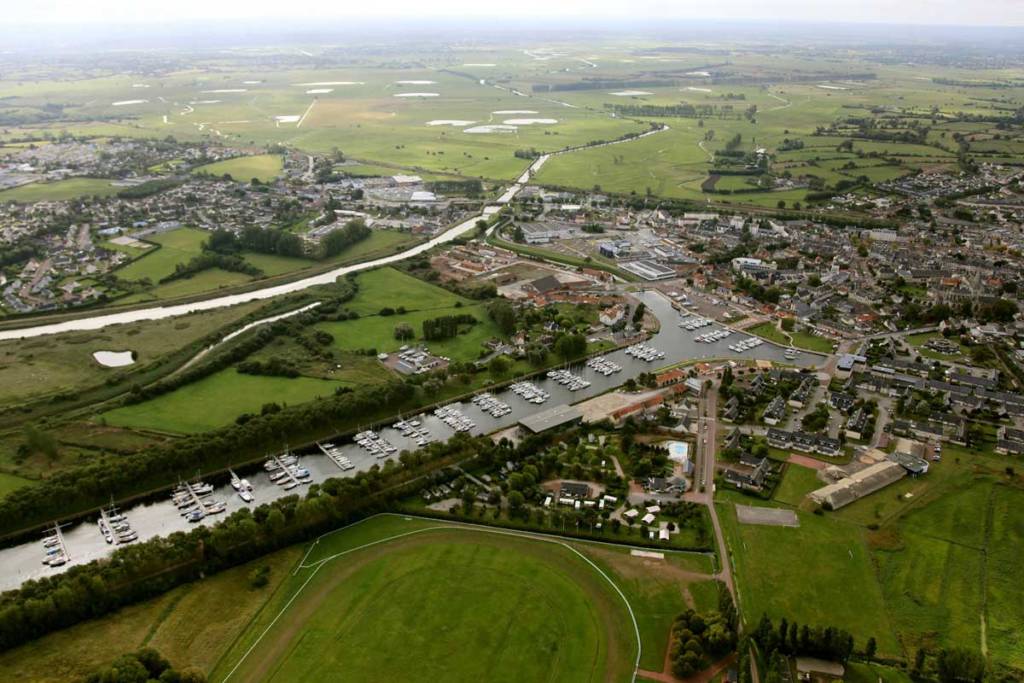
[341, 456]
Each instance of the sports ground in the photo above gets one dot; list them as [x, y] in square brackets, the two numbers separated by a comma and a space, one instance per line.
[427, 601]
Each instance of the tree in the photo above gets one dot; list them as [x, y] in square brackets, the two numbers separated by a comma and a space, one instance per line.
[871, 648]
[404, 331]
[516, 500]
[503, 315]
[499, 365]
[960, 665]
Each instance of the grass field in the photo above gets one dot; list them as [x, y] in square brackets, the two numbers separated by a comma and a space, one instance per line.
[818, 574]
[263, 167]
[800, 339]
[796, 484]
[469, 606]
[10, 482]
[64, 362]
[60, 190]
[176, 246]
[217, 400]
[190, 625]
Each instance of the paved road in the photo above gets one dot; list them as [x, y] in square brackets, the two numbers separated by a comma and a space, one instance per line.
[706, 446]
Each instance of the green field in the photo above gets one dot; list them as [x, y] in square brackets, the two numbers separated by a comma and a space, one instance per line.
[797, 482]
[800, 339]
[60, 190]
[819, 574]
[468, 606]
[176, 247]
[10, 482]
[217, 400]
[262, 167]
[64, 362]
[191, 625]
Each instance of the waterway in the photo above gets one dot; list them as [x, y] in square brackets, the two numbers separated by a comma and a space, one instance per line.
[160, 517]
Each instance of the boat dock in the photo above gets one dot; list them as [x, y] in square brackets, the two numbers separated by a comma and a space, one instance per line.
[115, 527]
[57, 553]
[336, 456]
[284, 471]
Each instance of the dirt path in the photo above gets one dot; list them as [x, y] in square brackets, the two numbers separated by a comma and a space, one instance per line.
[804, 461]
[700, 677]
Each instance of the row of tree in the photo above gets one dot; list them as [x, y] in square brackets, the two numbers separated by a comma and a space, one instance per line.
[143, 570]
[143, 666]
[446, 326]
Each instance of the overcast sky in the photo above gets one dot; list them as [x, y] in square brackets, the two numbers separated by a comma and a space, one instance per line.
[967, 12]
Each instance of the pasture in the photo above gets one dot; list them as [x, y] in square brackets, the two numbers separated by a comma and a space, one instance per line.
[261, 167]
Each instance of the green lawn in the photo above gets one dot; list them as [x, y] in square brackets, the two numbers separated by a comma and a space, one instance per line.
[176, 246]
[965, 544]
[377, 332]
[451, 605]
[796, 484]
[819, 574]
[264, 167]
[801, 339]
[204, 281]
[217, 400]
[60, 190]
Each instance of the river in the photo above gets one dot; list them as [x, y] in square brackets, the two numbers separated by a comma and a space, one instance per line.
[85, 543]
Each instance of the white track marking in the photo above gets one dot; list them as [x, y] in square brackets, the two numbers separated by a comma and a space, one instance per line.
[446, 527]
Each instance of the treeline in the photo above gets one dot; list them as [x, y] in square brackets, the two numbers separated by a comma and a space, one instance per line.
[598, 85]
[467, 188]
[681, 110]
[699, 640]
[446, 326]
[148, 188]
[792, 639]
[141, 666]
[144, 570]
[271, 241]
[212, 259]
[339, 240]
[242, 349]
[272, 367]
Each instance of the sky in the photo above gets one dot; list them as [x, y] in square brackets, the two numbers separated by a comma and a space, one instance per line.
[944, 12]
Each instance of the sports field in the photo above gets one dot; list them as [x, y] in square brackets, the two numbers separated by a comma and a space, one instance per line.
[451, 604]
[262, 167]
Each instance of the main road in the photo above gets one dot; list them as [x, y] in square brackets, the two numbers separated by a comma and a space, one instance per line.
[98, 322]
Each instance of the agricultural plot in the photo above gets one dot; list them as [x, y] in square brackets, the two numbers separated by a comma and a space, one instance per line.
[469, 605]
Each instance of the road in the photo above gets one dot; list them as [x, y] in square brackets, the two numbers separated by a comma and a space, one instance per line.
[706, 446]
[98, 322]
